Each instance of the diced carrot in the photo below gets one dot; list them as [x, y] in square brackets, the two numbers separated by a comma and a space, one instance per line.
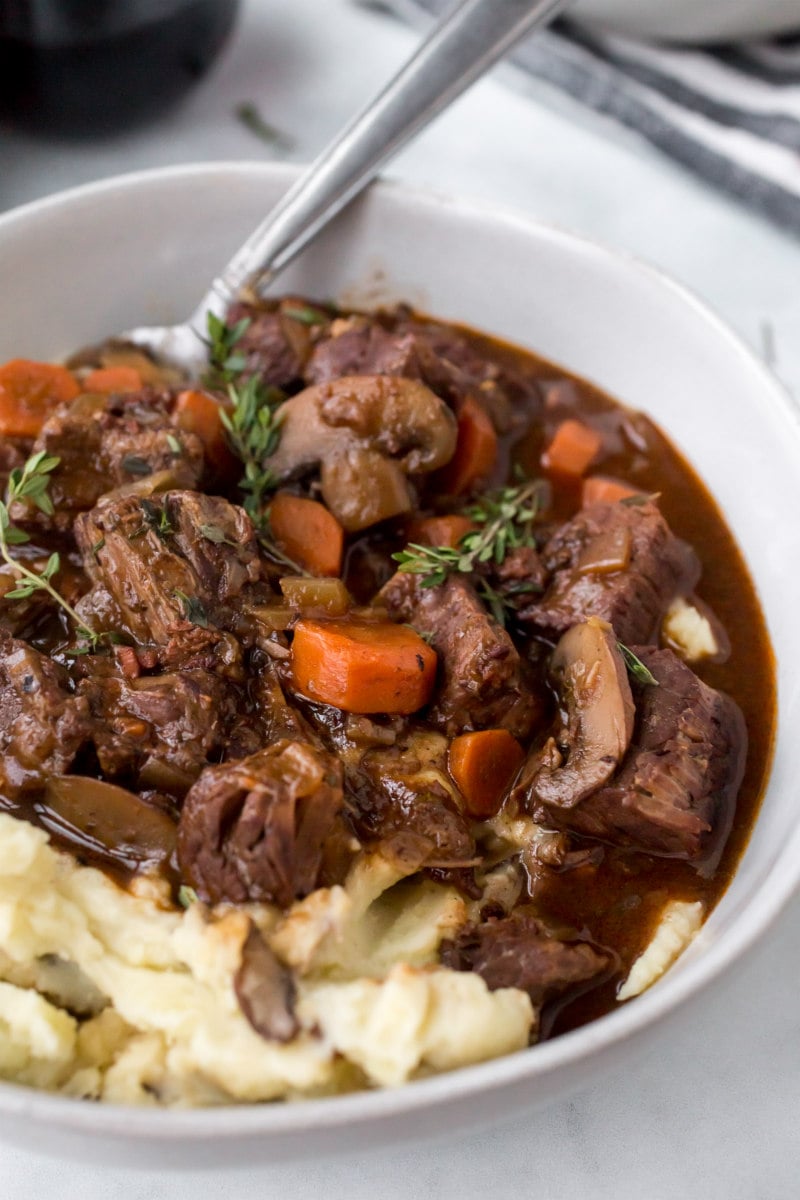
[482, 766]
[475, 453]
[307, 532]
[199, 413]
[602, 489]
[363, 666]
[113, 379]
[572, 449]
[29, 391]
[446, 530]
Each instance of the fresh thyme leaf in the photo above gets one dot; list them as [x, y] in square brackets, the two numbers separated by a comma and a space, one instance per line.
[154, 519]
[174, 444]
[636, 668]
[97, 547]
[30, 482]
[187, 895]
[135, 465]
[213, 533]
[639, 498]
[249, 115]
[193, 609]
[305, 315]
[505, 519]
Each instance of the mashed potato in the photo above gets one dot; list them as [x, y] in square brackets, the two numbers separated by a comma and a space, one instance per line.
[115, 996]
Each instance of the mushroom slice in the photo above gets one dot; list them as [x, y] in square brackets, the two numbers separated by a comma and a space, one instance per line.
[366, 433]
[597, 717]
[265, 990]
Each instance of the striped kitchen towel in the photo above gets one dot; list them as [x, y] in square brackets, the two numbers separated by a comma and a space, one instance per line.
[729, 113]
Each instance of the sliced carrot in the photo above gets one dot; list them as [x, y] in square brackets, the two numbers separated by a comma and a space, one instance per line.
[572, 449]
[363, 666]
[482, 766]
[29, 391]
[199, 413]
[476, 450]
[602, 489]
[113, 379]
[446, 530]
[307, 532]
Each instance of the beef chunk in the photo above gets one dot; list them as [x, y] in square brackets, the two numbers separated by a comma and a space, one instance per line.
[258, 829]
[274, 346]
[519, 951]
[633, 599]
[675, 790]
[159, 730]
[104, 442]
[482, 682]
[405, 789]
[184, 560]
[41, 725]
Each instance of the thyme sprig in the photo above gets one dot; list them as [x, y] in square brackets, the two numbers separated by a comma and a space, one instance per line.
[505, 519]
[225, 362]
[31, 482]
[636, 668]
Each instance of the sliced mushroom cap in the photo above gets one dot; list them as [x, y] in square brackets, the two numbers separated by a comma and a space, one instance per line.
[597, 713]
[265, 990]
[367, 433]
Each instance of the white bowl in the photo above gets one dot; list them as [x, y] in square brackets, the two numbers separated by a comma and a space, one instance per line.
[93, 261]
[689, 21]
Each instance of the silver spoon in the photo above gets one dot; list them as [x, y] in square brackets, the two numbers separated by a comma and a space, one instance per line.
[467, 41]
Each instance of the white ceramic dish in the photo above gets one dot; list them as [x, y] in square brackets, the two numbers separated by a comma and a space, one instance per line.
[688, 21]
[93, 261]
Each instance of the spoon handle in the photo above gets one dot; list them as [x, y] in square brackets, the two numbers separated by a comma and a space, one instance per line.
[466, 42]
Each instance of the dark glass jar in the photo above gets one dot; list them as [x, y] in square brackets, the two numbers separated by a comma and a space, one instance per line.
[84, 67]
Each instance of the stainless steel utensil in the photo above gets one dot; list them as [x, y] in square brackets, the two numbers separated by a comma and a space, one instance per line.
[462, 47]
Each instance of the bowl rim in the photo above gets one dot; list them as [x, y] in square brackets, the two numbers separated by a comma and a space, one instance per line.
[371, 1108]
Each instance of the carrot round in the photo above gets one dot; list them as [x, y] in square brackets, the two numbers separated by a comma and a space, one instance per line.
[602, 489]
[476, 450]
[29, 391]
[113, 379]
[573, 448]
[446, 530]
[363, 666]
[307, 532]
[482, 766]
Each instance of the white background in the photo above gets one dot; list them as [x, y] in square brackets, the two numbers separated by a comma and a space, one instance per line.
[718, 1116]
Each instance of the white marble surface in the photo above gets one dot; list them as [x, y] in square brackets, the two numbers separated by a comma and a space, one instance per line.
[718, 1117]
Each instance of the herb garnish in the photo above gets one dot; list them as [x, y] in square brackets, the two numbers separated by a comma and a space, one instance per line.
[134, 465]
[175, 445]
[187, 895]
[154, 519]
[193, 609]
[213, 533]
[249, 115]
[31, 482]
[505, 518]
[304, 314]
[226, 362]
[636, 668]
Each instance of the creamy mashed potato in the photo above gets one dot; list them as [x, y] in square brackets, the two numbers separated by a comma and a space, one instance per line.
[679, 923]
[112, 995]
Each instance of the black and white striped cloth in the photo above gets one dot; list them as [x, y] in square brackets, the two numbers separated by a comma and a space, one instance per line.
[731, 114]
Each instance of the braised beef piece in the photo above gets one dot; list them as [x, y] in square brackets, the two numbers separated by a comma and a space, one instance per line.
[634, 599]
[519, 951]
[482, 682]
[394, 790]
[159, 731]
[171, 564]
[258, 829]
[104, 442]
[675, 790]
[42, 726]
[275, 346]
